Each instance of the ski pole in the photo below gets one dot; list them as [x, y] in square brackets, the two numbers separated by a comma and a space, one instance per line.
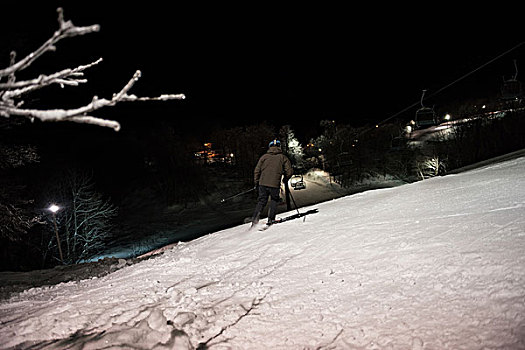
[293, 200]
[238, 194]
[298, 213]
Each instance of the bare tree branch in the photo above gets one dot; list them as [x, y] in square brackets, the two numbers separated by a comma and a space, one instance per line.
[79, 114]
[12, 89]
[66, 30]
[64, 77]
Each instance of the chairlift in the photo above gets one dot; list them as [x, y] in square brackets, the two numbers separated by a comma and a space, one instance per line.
[425, 116]
[297, 182]
[511, 88]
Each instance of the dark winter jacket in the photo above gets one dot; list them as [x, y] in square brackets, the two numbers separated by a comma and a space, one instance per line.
[271, 166]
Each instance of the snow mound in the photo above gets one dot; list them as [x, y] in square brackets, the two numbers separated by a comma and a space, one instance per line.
[437, 264]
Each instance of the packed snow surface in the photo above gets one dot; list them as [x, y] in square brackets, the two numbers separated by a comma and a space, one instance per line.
[437, 264]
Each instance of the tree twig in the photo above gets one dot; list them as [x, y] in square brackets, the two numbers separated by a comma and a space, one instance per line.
[64, 77]
[66, 30]
[12, 89]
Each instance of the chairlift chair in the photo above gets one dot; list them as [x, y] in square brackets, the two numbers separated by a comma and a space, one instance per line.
[297, 182]
[425, 116]
[511, 89]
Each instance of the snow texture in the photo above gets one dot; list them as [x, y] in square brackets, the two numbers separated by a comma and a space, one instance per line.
[437, 264]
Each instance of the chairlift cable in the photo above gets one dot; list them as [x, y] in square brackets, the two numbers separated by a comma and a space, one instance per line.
[475, 70]
[448, 85]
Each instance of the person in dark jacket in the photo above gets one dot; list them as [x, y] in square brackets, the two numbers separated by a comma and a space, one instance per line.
[267, 176]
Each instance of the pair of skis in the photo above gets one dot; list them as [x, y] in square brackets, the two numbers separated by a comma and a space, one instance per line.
[266, 226]
[287, 218]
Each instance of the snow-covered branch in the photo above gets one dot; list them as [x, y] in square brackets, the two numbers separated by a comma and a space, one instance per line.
[66, 30]
[64, 77]
[12, 91]
[79, 115]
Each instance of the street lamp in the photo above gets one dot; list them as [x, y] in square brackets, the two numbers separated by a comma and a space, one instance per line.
[53, 208]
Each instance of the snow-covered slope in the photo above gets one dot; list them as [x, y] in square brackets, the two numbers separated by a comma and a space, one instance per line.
[437, 264]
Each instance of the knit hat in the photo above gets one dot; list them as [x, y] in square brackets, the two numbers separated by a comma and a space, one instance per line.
[274, 143]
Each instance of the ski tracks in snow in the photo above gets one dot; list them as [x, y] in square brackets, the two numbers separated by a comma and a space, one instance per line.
[381, 269]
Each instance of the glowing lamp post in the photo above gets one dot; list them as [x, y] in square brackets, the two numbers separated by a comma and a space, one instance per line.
[53, 209]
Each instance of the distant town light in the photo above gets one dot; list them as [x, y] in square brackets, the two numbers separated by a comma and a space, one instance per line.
[53, 208]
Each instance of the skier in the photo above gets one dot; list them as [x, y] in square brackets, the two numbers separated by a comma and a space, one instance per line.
[267, 176]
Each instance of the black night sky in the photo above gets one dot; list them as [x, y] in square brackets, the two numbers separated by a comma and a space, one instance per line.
[293, 65]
